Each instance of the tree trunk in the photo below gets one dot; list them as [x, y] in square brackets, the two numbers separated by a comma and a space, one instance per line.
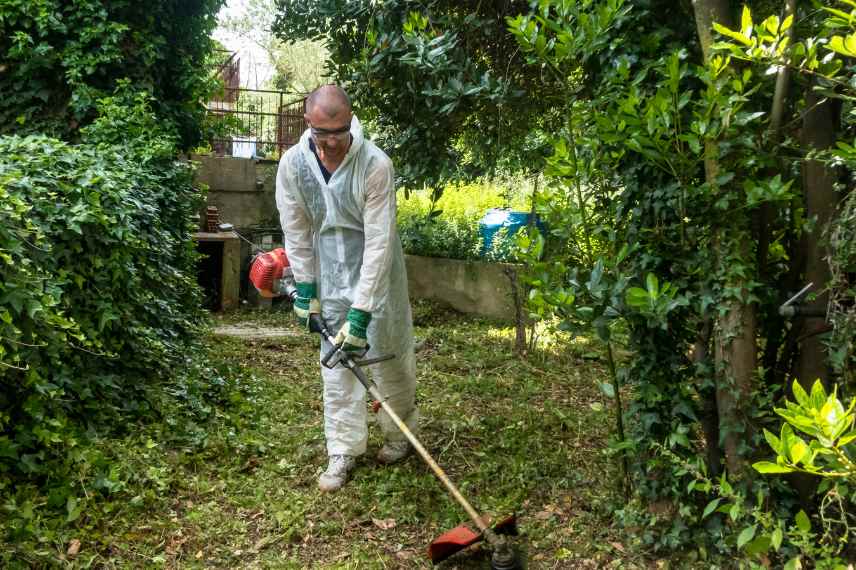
[774, 330]
[736, 351]
[709, 417]
[766, 213]
[736, 356]
[820, 124]
[706, 13]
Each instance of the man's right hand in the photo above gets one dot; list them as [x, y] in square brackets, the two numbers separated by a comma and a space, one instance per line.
[306, 303]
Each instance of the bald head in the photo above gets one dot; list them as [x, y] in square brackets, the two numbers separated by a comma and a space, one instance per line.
[331, 100]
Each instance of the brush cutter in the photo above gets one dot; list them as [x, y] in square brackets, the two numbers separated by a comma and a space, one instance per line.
[271, 276]
[504, 556]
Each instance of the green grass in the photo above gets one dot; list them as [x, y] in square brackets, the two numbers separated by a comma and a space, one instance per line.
[515, 435]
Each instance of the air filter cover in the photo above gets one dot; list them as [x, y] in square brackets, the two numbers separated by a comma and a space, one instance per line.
[267, 269]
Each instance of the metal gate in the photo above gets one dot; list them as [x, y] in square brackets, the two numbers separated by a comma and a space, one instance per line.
[256, 123]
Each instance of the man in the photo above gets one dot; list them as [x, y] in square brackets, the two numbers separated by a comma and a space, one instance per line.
[336, 201]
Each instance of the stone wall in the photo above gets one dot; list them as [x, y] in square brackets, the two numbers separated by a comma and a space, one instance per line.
[473, 287]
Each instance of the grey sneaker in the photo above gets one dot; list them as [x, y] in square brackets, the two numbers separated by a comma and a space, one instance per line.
[394, 451]
[337, 472]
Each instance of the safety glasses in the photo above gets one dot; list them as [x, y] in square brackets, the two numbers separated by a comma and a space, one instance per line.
[327, 134]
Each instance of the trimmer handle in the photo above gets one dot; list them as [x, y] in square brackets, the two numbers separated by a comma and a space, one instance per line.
[336, 355]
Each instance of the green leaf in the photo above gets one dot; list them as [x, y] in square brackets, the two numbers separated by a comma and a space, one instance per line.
[746, 535]
[793, 564]
[731, 34]
[607, 389]
[786, 436]
[803, 522]
[653, 285]
[636, 297]
[758, 546]
[767, 468]
[774, 442]
[73, 510]
[845, 46]
[771, 24]
[836, 12]
[776, 538]
[801, 395]
[797, 450]
[711, 506]
[746, 22]
[818, 395]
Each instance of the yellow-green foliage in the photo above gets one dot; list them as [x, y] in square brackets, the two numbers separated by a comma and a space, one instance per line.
[452, 230]
[466, 201]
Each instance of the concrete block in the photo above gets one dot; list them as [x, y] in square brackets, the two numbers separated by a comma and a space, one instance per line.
[242, 189]
[226, 173]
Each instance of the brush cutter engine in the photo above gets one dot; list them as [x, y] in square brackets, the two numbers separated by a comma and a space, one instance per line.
[268, 271]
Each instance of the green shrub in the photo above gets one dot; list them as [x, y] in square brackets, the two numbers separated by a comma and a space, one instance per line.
[59, 58]
[98, 299]
[449, 227]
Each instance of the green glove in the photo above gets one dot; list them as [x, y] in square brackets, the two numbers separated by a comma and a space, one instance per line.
[352, 336]
[306, 302]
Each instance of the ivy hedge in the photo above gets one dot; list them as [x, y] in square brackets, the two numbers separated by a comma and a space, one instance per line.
[98, 299]
[58, 58]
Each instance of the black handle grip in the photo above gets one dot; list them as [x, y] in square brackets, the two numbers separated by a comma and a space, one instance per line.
[316, 325]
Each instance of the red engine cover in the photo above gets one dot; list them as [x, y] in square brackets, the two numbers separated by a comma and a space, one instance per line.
[266, 269]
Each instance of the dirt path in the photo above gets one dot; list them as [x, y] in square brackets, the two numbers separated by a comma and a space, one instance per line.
[252, 331]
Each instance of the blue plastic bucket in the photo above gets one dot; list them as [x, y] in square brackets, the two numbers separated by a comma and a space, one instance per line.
[498, 218]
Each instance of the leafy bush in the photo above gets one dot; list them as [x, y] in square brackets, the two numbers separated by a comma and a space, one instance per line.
[830, 451]
[59, 58]
[449, 226]
[98, 299]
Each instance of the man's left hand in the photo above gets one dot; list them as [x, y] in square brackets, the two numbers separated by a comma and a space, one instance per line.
[352, 336]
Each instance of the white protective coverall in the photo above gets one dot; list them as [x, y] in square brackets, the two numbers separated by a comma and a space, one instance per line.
[342, 235]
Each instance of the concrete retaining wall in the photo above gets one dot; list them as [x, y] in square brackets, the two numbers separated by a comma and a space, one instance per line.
[242, 189]
[468, 286]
